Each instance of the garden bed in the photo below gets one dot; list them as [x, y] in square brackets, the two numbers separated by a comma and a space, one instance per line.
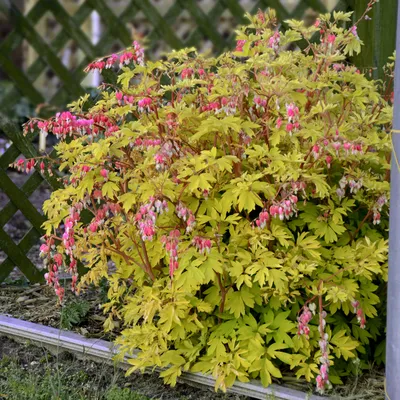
[37, 303]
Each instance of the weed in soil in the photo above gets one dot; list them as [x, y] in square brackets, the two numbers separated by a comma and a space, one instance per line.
[74, 313]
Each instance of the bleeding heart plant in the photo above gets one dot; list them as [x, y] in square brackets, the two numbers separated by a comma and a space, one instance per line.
[242, 200]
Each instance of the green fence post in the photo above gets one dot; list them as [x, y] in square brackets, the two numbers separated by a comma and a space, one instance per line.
[378, 34]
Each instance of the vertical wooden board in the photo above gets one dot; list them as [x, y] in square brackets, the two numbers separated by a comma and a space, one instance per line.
[385, 27]
[378, 35]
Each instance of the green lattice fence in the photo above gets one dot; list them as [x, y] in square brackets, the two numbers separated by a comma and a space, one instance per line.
[164, 29]
[19, 200]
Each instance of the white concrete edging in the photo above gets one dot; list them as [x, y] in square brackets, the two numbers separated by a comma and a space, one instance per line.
[103, 350]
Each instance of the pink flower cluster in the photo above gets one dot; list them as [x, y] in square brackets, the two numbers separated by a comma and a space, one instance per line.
[110, 61]
[331, 39]
[285, 208]
[146, 221]
[68, 235]
[146, 217]
[28, 165]
[161, 206]
[24, 165]
[126, 58]
[292, 114]
[29, 126]
[105, 211]
[336, 144]
[213, 106]
[239, 45]
[316, 151]
[262, 219]
[163, 156]
[338, 67]
[359, 312]
[274, 41]
[187, 73]
[97, 195]
[53, 261]
[323, 377]
[66, 123]
[171, 121]
[104, 173]
[69, 244]
[244, 138]
[62, 125]
[203, 245]
[161, 161]
[354, 185]
[353, 30]
[111, 130]
[85, 169]
[353, 148]
[303, 320]
[139, 52]
[376, 219]
[144, 144]
[261, 16]
[259, 102]
[103, 123]
[171, 243]
[229, 105]
[187, 215]
[299, 186]
[382, 200]
[136, 54]
[144, 104]
[127, 99]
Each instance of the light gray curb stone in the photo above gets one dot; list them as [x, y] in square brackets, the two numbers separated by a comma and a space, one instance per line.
[103, 350]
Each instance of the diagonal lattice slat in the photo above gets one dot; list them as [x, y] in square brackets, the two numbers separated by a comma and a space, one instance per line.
[165, 31]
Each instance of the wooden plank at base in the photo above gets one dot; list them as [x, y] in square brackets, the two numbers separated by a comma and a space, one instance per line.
[102, 350]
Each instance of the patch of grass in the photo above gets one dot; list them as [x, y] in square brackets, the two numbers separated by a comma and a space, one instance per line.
[49, 379]
[28, 372]
[123, 394]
